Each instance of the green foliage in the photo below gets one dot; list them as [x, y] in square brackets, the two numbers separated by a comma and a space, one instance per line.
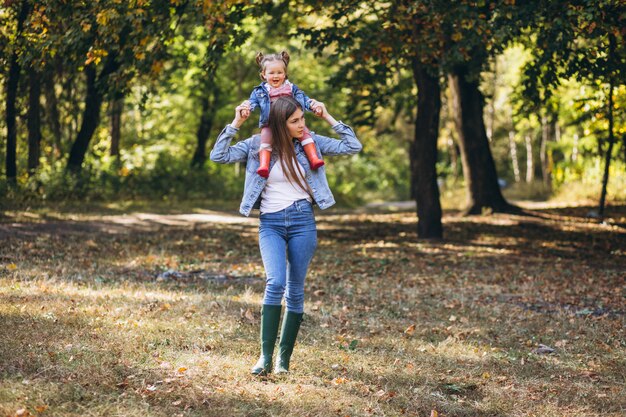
[173, 54]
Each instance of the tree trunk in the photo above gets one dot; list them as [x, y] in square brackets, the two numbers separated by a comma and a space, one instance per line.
[530, 166]
[513, 151]
[547, 134]
[609, 151]
[574, 157]
[423, 154]
[204, 128]
[12, 82]
[478, 166]
[52, 112]
[117, 107]
[34, 120]
[91, 113]
[91, 118]
[492, 103]
[11, 119]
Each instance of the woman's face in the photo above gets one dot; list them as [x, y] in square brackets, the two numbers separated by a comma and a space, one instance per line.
[295, 123]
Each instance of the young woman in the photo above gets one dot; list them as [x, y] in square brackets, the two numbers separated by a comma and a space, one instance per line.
[287, 231]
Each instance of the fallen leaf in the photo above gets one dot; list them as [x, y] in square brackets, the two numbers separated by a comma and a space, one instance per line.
[410, 330]
[12, 267]
[182, 370]
[248, 315]
[434, 413]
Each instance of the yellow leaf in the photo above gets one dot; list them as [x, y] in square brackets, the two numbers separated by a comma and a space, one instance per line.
[182, 370]
[486, 375]
[11, 267]
[457, 36]
[434, 413]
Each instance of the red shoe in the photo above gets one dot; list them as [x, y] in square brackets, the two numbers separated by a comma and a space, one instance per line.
[264, 158]
[311, 154]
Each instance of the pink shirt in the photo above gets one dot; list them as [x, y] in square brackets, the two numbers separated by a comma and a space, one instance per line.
[282, 91]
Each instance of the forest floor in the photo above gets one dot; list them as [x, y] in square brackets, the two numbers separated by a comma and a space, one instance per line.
[155, 312]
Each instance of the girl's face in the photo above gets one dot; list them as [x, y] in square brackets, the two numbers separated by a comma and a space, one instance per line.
[274, 73]
[295, 123]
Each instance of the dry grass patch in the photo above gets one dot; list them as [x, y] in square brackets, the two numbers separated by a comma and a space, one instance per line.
[102, 317]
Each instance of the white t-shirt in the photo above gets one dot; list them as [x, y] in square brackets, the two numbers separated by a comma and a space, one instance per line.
[279, 193]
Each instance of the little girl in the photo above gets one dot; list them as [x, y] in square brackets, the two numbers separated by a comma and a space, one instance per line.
[274, 73]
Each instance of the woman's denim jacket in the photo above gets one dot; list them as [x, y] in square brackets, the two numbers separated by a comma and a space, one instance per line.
[248, 151]
[260, 97]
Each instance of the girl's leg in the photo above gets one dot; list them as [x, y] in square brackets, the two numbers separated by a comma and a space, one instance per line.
[309, 149]
[265, 151]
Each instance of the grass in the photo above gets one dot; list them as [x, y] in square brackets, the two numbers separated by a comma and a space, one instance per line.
[91, 325]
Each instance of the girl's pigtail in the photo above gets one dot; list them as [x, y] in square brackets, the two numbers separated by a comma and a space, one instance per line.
[285, 56]
[259, 58]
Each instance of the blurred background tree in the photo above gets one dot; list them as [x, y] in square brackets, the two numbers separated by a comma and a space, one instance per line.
[114, 100]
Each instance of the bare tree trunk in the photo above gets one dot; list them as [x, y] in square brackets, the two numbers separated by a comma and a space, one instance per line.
[491, 116]
[514, 161]
[453, 150]
[206, 123]
[546, 135]
[530, 166]
[479, 168]
[423, 154]
[91, 113]
[34, 120]
[609, 151]
[117, 107]
[52, 111]
[12, 82]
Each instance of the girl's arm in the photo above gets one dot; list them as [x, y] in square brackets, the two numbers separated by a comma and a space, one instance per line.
[301, 97]
[222, 152]
[253, 100]
[347, 144]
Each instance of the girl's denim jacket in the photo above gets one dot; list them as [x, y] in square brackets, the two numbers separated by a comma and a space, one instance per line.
[260, 97]
[248, 151]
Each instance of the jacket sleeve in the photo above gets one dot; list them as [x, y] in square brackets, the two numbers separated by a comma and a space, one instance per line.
[348, 144]
[301, 97]
[223, 153]
[254, 101]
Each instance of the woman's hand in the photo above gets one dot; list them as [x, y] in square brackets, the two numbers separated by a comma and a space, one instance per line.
[314, 105]
[319, 109]
[242, 112]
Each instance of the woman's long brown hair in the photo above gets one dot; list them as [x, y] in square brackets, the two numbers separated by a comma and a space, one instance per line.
[281, 110]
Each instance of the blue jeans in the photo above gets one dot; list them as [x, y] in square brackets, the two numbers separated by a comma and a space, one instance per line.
[287, 240]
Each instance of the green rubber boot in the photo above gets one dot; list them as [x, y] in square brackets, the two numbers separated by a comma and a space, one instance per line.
[288, 335]
[270, 319]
